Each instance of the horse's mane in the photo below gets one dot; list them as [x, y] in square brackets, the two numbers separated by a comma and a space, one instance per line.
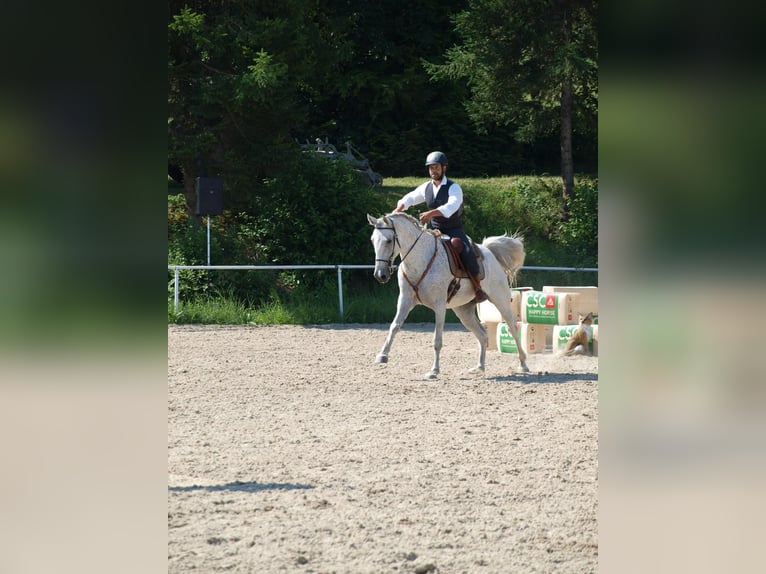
[405, 215]
[411, 219]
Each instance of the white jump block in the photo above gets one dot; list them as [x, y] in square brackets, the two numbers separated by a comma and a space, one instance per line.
[488, 313]
[532, 338]
[549, 308]
[588, 301]
[491, 335]
[490, 316]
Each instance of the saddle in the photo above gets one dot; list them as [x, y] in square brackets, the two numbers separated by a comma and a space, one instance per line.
[456, 264]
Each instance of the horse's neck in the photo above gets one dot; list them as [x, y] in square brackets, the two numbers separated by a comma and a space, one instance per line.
[416, 244]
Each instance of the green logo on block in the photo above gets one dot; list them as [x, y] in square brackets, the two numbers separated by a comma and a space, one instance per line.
[505, 342]
[542, 308]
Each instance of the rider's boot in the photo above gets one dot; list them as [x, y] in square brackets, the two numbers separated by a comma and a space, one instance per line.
[472, 267]
[480, 296]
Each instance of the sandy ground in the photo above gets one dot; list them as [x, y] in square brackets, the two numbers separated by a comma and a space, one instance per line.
[289, 450]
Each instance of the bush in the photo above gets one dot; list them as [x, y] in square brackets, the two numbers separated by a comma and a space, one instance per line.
[528, 205]
[314, 216]
[317, 216]
[578, 235]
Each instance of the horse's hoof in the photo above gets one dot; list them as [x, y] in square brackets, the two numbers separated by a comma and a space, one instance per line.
[381, 359]
[476, 371]
[431, 376]
[524, 369]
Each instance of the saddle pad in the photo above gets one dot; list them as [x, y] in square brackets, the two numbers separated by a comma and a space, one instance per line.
[454, 265]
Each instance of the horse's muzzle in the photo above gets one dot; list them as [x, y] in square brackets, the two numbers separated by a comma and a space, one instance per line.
[382, 274]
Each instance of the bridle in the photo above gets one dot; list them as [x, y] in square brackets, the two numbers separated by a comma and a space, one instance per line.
[390, 261]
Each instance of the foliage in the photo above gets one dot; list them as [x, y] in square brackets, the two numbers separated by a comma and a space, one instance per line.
[314, 217]
[248, 81]
[316, 214]
[478, 79]
[515, 55]
[578, 235]
[185, 247]
[530, 66]
[299, 233]
[531, 206]
[238, 77]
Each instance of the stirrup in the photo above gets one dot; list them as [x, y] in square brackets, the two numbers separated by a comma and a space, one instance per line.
[453, 288]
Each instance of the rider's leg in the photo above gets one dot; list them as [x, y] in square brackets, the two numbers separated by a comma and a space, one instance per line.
[471, 264]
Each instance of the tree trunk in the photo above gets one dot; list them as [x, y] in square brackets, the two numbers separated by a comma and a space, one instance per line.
[567, 160]
[190, 191]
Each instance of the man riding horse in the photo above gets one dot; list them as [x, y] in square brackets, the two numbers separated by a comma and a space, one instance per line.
[444, 199]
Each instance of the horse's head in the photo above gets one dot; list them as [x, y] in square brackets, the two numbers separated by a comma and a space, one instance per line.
[384, 242]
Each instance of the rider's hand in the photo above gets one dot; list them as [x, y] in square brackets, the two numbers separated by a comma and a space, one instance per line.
[427, 216]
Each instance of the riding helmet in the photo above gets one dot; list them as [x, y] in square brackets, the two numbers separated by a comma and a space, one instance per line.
[436, 157]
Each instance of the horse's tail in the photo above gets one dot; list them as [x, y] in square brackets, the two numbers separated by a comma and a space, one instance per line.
[509, 252]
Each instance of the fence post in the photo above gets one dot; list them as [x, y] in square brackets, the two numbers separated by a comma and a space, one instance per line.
[340, 291]
[175, 292]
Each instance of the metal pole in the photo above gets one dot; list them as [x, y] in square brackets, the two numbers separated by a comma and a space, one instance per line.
[340, 292]
[208, 240]
[175, 292]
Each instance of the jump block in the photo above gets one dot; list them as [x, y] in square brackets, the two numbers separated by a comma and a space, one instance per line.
[490, 316]
[549, 308]
[532, 338]
[587, 302]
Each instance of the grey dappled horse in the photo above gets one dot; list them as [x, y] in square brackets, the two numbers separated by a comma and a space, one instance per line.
[424, 277]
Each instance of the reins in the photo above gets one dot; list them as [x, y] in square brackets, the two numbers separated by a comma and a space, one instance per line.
[415, 286]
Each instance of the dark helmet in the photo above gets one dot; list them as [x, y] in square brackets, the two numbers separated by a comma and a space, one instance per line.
[436, 157]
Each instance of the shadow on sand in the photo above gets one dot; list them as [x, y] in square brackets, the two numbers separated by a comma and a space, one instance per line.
[544, 378]
[238, 486]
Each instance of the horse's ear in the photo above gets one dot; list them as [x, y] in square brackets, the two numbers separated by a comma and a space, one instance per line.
[372, 220]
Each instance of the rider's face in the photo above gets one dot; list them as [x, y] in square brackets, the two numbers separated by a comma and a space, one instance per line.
[436, 171]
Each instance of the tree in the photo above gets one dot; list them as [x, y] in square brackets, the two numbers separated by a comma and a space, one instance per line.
[380, 97]
[241, 77]
[530, 64]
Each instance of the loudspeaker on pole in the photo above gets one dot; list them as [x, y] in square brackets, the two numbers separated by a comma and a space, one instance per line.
[209, 195]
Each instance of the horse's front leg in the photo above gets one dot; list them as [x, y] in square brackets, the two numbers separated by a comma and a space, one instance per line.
[404, 305]
[467, 315]
[439, 312]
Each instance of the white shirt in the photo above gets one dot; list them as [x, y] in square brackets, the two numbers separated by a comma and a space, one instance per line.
[418, 195]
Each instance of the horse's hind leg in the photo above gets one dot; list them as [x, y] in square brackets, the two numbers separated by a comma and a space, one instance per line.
[467, 315]
[506, 312]
[403, 307]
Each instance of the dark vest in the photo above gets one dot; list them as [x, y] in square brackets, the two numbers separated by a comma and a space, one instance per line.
[441, 197]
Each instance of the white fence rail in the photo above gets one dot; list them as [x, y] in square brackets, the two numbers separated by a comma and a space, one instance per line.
[339, 268]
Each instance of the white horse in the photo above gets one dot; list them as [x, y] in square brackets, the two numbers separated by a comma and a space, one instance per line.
[424, 278]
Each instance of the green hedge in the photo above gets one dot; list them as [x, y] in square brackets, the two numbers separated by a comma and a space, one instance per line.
[318, 216]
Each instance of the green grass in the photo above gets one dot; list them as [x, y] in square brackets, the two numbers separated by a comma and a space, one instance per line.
[359, 306]
[213, 310]
[362, 303]
[395, 187]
